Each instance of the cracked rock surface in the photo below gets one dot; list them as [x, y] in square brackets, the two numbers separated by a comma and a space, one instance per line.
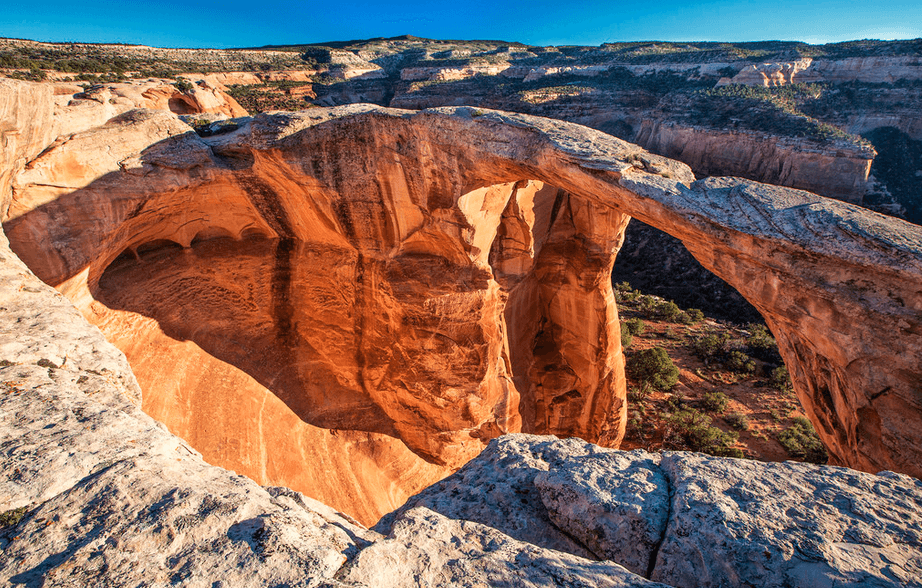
[687, 519]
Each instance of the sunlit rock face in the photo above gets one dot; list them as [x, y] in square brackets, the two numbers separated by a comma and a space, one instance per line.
[377, 314]
[353, 301]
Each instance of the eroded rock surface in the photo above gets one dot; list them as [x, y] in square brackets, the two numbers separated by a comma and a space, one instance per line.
[839, 172]
[426, 548]
[78, 110]
[109, 496]
[687, 519]
[443, 277]
[738, 522]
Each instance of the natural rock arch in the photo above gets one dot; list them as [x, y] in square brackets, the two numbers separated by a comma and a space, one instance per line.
[839, 286]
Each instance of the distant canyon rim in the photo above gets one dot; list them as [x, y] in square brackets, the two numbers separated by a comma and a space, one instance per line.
[353, 301]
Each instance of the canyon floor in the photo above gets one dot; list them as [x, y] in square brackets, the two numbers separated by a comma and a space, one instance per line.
[747, 401]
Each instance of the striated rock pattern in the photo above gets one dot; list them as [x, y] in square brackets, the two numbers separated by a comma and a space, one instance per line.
[109, 496]
[840, 173]
[444, 277]
[871, 69]
[691, 520]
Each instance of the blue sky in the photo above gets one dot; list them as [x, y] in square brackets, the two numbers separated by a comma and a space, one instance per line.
[237, 23]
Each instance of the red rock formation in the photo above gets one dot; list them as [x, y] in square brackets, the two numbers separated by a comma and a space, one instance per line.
[417, 277]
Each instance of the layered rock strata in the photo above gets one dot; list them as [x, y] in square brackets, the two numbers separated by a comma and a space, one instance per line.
[840, 173]
[444, 277]
[870, 69]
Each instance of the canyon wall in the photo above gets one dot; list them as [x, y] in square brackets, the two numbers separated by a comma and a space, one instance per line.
[444, 276]
[840, 173]
[869, 69]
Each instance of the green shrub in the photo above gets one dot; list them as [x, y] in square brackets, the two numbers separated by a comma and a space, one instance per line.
[740, 363]
[647, 304]
[694, 315]
[624, 292]
[760, 337]
[738, 421]
[692, 430]
[675, 402]
[761, 344]
[710, 345]
[626, 337]
[654, 367]
[635, 326]
[800, 440]
[781, 379]
[715, 401]
[639, 393]
[33, 75]
[11, 518]
[667, 310]
[183, 85]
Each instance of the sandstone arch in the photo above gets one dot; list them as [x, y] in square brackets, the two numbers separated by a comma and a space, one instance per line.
[838, 286]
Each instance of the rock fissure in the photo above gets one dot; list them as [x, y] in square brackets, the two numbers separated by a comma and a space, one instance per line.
[654, 552]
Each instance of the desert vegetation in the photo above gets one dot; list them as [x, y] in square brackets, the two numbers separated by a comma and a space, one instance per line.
[708, 385]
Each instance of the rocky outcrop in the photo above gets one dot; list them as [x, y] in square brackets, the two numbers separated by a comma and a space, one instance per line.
[686, 519]
[434, 295]
[78, 110]
[871, 69]
[836, 172]
[448, 73]
[26, 128]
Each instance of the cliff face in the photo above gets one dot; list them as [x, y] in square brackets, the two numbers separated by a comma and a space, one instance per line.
[870, 69]
[836, 173]
[26, 128]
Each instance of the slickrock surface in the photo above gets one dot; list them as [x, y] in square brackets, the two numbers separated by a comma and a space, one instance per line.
[427, 549]
[79, 110]
[690, 520]
[443, 277]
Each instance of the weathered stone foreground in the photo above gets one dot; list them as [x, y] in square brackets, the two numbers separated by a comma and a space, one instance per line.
[111, 498]
[443, 277]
